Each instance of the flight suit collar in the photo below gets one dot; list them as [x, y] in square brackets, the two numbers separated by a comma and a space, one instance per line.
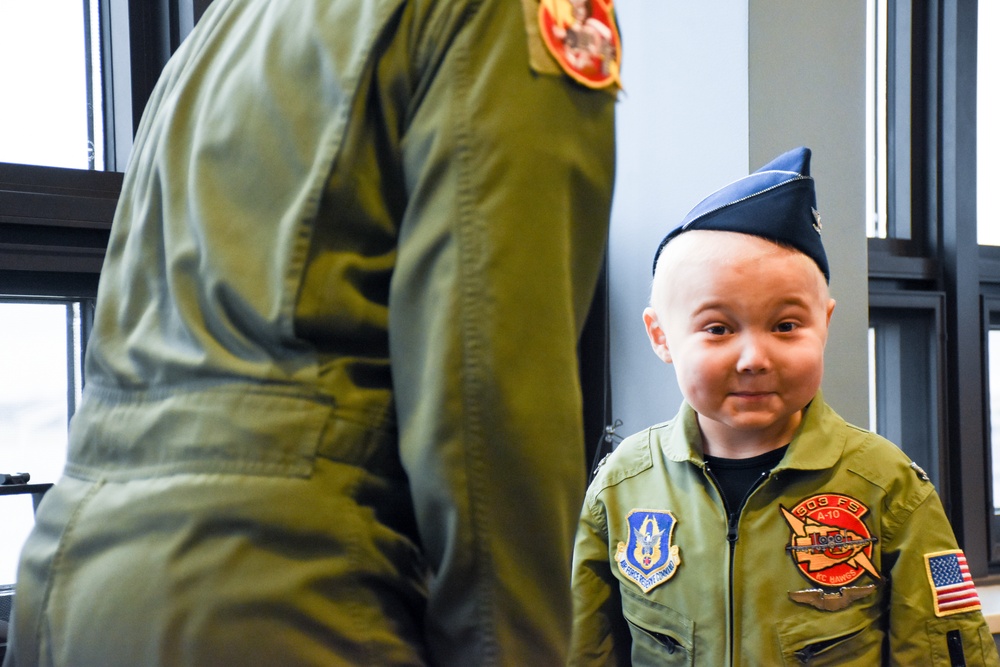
[817, 445]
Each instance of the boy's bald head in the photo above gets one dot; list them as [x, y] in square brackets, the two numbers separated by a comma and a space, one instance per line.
[674, 264]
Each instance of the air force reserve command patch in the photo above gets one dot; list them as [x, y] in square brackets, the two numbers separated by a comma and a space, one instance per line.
[830, 544]
[582, 36]
[648, 558]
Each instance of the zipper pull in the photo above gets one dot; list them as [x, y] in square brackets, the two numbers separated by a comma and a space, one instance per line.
[806, 655]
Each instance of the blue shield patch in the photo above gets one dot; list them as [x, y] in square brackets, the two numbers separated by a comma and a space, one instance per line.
[648, 559]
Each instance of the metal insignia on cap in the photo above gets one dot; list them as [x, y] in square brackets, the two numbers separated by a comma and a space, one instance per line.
[818, 225]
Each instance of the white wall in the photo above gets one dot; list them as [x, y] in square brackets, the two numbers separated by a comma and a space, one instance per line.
[713, 90]
[807, 87]
[682, 131]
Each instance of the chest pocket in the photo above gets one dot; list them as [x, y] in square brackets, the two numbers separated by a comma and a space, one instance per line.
[851, 636]
[660, 636]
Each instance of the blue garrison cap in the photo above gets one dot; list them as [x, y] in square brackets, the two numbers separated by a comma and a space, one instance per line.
[777, 202]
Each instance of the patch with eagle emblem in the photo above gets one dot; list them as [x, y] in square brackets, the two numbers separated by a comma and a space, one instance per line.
[648, 558]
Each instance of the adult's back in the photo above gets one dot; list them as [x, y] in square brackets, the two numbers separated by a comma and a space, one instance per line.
[331, 411]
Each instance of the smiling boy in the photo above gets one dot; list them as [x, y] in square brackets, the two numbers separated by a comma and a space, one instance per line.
[757, 527]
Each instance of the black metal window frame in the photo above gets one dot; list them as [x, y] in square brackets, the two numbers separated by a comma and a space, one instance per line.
[54, 222]
[990, 308]
[933, 250]
[909, 395]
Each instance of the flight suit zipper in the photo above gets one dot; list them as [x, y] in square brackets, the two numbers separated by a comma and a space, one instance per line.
[732, 535]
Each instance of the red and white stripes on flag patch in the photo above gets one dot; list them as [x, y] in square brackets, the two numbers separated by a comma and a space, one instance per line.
[951, 583]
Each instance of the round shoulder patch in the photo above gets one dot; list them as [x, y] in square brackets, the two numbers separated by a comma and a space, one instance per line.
[830, 544]
[582, 35]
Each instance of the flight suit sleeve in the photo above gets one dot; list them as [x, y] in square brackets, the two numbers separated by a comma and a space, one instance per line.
[600, 635]
[929, 623]
[509, 174]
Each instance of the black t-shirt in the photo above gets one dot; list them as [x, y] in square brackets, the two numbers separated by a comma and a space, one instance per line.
[737, 476]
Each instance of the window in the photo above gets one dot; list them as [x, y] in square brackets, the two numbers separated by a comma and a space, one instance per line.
[41, 346]
[988, 133]
[934, 264]
[875, 119]
[50, 63]
[907, 395]
[988, 235]
[991, 308]
[74, 78]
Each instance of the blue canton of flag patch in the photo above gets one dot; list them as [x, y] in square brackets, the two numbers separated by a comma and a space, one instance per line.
[951, 583]
[647, 558]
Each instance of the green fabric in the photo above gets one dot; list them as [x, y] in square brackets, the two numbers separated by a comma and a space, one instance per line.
[661, 468]
[221, 569]
[355, 248]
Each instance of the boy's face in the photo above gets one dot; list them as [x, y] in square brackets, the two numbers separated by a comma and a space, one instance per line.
[744, 322]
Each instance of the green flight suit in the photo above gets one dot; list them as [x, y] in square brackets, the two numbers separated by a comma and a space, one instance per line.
[332, 412]
[762, 594]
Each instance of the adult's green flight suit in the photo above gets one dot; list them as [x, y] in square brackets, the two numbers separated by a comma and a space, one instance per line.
[332, 412]
[734, 593]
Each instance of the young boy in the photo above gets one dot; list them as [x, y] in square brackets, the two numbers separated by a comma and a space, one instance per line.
[757, 527]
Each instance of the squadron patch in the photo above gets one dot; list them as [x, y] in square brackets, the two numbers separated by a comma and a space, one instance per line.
[582, 36]
[648, 558]
[830, 544]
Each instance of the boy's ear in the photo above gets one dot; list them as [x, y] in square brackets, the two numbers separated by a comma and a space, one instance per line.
[657, 337]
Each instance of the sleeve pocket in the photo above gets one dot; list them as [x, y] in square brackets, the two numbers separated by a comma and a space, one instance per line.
[960, 641]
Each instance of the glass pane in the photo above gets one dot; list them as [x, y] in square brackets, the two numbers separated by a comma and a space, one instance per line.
[876, 177]
[872, 383]
[993, 353]
[38, 367]
[50, 76]
[903, 344]
[18, 514]
[987, 129]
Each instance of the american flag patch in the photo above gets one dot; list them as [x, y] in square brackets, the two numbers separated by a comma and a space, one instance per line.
[948, 574]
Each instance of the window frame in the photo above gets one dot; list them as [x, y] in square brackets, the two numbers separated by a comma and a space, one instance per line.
[57, 220]
[924, 381]
[931, 183]
[56, 223]
[990, 304]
